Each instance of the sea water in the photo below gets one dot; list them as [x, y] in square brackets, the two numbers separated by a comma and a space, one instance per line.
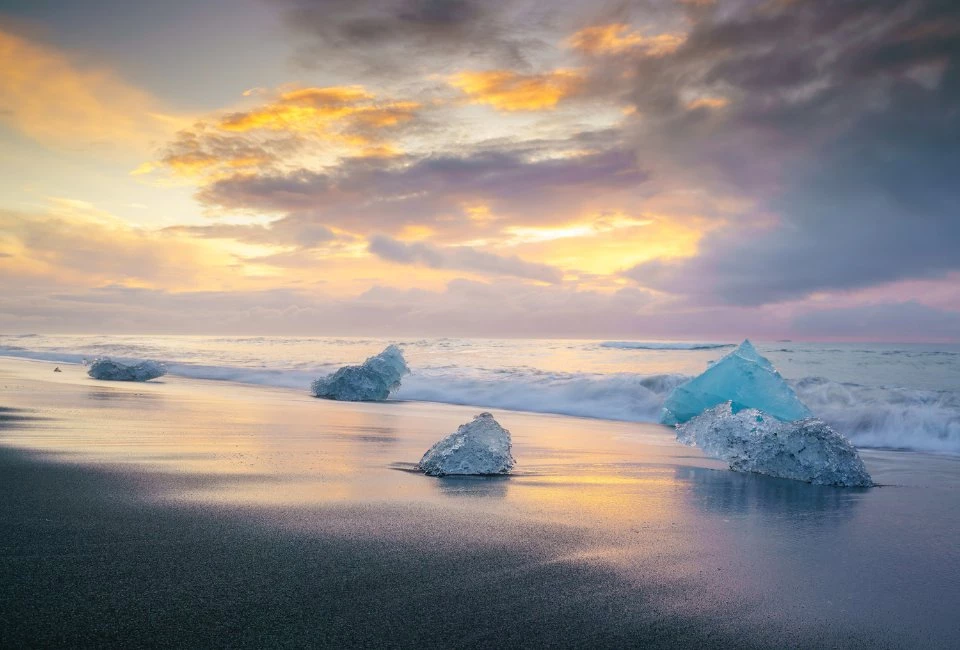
[900, 396]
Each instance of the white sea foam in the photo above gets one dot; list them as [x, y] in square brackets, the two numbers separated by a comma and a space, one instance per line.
[613, 397]
[478, 373]
[893, 418]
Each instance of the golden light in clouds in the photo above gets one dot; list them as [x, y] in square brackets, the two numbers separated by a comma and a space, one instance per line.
[324, 123]
[707, 102]
[290, 128]
[507, 90]
[73, 243]
[615, 38]
[318, 109]
[50, 99]
[607, 244]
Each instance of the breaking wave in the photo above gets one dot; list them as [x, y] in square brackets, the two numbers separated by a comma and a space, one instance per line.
[625, 396]
[869, 416]
[887, 418]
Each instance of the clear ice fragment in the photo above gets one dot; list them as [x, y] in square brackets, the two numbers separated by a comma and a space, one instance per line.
[372, 381]
[479, 447]
[751, 441]
[110, 370]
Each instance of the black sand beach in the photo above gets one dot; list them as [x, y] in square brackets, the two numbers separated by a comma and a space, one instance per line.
[193, 514]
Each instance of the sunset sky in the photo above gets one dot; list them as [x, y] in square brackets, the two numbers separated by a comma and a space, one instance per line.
[659, 169]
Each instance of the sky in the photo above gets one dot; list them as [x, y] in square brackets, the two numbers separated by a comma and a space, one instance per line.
[670, 169]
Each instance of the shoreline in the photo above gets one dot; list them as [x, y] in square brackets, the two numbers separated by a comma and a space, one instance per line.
[303, 389]
[184, 511]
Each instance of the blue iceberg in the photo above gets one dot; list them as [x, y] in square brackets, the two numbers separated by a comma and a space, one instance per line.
[372, 381]
[110, 370]
[745, 379]
[805, 450]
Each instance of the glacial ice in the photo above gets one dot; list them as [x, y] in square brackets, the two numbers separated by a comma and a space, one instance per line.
[110, 370]
[744, 378]
[751, 441]
[370, 382]
[478, 447]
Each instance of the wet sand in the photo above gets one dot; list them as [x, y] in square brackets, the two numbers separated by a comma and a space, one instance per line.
[194, 513]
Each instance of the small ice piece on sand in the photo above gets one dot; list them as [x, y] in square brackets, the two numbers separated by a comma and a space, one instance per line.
[751, 441]
[109, 370]
[372, 381]
[480, 447]
[744, 378]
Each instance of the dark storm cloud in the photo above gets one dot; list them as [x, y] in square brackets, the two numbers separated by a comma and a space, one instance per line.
[387, 35]
[369, 195]
[843, 121]
[462, 258]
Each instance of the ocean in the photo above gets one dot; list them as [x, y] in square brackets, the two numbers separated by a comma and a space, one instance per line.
[889, 396]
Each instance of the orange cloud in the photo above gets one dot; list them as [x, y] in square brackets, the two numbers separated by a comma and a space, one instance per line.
[338, 120]
[708, 102]
[75, 244]
[506, 90]
[318, 109]
[47, 97]
[616, 38]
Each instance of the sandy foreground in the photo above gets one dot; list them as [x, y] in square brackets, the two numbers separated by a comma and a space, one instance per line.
[196, 513]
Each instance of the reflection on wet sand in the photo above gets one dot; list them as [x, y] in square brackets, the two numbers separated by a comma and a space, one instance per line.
[13, 418]
[495, 487]
[122, 398]
[728, 493]
[623, 499]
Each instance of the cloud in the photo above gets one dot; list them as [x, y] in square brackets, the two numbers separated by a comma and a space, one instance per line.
[75, 244]
[885, 322]
[507, 90]
[332, 111]
[48, 97]
[205, 150]
[388, 37]
[618, 38]
[846, 146]
[462, 308]
[282, 232]
[295, 124]
[367, 196]
[463, 258]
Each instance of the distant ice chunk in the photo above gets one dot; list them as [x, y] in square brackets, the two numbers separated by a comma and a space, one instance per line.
[110, 370]
[751, 441]
[372, 381]
[744, 378]
[478, 447]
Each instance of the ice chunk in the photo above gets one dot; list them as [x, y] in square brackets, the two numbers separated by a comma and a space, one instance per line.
[751, 441]
[110, 370]
[744, 378]
[370, 382]
[478, 447]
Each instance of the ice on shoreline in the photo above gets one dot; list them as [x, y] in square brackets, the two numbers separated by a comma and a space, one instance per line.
[372, 381]
[109, 370]
[745, 379]
[752, 441]
[479, 447]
